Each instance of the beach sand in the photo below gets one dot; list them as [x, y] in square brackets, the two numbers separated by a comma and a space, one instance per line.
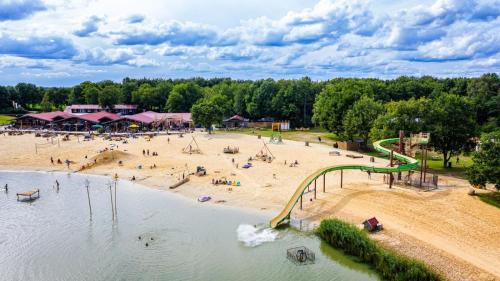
[454, 233]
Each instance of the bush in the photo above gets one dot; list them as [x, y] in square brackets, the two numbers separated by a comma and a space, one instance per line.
[357, 243]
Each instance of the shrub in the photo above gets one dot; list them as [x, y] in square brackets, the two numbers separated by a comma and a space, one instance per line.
[357, 243]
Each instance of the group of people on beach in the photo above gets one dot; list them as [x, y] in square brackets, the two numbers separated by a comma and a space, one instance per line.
[293, 164]
[68, 162]
[146, 152]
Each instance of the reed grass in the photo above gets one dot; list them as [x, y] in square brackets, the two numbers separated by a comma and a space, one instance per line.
[356, 242]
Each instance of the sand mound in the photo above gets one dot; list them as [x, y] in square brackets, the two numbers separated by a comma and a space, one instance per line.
[105, 157]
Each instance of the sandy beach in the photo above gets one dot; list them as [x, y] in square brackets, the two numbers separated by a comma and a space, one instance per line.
[454, 233]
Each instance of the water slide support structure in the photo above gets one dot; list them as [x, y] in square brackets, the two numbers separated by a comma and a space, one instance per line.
[409, 164]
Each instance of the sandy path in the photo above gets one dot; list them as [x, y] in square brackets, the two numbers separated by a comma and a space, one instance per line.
[455, 233]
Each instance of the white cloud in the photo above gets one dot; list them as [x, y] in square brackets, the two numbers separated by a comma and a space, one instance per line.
[320, 39]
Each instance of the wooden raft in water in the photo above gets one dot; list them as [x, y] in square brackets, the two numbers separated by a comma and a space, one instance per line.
[29, 195]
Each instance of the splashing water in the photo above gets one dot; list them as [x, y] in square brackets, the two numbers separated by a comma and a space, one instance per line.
[252, 236]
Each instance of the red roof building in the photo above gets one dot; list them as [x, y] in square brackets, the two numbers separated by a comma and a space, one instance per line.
[122, 109]
[236, 122]
[35, 120]
[99, 117]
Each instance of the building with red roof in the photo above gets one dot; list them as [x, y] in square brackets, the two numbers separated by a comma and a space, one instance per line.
[86, 121]
[66, 121]
[235, 122]
[152, 120]
[122, 109]
[40, 120]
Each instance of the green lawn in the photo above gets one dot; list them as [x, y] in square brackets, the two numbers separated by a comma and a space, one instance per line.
[309, 135]
[6, 119]
[492, 198]
[435, 163]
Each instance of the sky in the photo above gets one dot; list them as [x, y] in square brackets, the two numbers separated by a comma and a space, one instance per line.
[65, 42]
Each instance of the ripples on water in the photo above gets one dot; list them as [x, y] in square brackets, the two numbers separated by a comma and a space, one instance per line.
[52, 238]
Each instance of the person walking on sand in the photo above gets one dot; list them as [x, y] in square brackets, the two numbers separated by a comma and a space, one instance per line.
[147, 152]
[51, 160]
[143, 152]
[168, 140]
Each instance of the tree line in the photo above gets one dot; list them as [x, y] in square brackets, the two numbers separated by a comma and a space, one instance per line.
[454, 110]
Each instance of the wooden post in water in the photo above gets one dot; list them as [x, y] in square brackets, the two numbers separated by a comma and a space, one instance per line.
[111, 199]
[116, 181]
[88, 196]
[324, 182]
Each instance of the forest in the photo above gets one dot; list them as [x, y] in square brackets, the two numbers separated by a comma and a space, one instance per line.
[455, 110]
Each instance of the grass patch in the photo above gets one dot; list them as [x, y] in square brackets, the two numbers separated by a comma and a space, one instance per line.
[435, 163]
[295, 135]
[389, 265]
[492, 198]
[6, 119]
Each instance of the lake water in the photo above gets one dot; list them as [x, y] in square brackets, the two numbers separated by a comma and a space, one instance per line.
[53, 238]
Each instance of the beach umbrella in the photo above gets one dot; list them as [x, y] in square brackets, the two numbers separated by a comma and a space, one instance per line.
[97, 126]
[134, 126]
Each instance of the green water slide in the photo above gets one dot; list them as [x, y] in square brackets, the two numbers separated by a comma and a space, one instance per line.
[409, 164]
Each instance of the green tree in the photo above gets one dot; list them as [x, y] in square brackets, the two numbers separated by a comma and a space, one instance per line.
[5, 99]
[452, 124]
[407, 115]
[182, 97]
[76, 96]
[485, 95]
[27, 94]
[45, 103]
[91, 94]
[335, 100]
[241, 92]
[128, 87]
[206, 113]
[58, 96]
[109, 96]
[486, 162]
[259, 104]
[149, 97]
[359, 120]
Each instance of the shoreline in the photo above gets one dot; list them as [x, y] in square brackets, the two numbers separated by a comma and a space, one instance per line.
[177, 196]
[447, 229]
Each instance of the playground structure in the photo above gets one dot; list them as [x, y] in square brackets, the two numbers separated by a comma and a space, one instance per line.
[281, 126]
[277, 128]
[265, 154]
[406, 164]
[192, 147]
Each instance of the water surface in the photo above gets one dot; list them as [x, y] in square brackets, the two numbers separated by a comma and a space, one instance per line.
[53, 238]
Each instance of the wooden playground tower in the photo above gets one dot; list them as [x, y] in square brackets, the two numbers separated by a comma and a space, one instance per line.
[277, 128]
